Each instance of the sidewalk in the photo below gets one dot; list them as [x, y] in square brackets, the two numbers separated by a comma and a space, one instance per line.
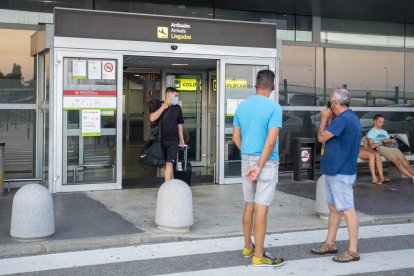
[88, 220]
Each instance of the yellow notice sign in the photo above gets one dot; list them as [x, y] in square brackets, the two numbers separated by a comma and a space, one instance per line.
[185, 84]
[236, 83]
[162, 32]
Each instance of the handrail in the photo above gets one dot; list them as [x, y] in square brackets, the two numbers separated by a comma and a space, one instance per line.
[93, 165]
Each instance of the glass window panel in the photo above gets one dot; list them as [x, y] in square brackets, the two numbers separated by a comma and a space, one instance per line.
[240, 82]
[154, 8]
[285, 23]
[17, 82]
[44, 6]
[362, 32]
[303, 28]
[297, 76]
[375, 78]
[89, 159]
[17, 130]
[296, 124]
[409, 79]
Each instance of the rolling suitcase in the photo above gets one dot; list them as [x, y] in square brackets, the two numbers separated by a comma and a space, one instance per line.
[183, 168]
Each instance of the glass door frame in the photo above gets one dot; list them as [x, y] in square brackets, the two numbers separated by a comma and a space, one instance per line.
[204, 99]
[221, 77]
[57, 121]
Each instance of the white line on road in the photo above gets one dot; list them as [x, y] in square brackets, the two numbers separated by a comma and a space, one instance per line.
[176, 249]
[370, 262]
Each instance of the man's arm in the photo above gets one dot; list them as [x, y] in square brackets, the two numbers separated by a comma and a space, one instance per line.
[323, 134]
[237, 136]
[270, 143]
[373, 145]
[156, 114]
[181, 134]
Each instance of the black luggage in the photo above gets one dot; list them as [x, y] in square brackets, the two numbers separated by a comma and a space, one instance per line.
[183, 168]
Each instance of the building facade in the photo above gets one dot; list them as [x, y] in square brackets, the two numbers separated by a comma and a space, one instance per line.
[318, 48]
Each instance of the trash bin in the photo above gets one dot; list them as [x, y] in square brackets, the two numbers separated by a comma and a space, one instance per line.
[304, 158]
[2, 147]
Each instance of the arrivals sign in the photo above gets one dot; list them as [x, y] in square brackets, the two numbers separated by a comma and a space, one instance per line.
[152, 28]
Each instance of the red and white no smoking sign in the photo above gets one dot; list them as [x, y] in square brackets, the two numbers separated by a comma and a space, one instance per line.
[305, 156]
[108, 70]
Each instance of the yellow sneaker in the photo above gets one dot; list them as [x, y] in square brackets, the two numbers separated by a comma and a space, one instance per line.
[267, 260]
[248, 252]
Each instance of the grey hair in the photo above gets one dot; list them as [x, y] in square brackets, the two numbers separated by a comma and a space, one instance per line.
[342, 95]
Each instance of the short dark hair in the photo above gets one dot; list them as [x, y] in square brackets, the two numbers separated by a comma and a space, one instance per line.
[265, 80]
[378, 116]
[170, 90]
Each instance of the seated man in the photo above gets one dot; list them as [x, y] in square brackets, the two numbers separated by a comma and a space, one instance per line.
[377, 138]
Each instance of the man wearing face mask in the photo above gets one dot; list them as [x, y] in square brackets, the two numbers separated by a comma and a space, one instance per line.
[172, 123]
[338, 163]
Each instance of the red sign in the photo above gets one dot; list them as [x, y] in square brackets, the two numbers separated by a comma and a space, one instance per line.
[305, 156]
[89, 93]
[108, 67]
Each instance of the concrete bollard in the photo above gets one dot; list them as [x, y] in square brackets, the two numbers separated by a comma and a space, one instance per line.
[32, 213]
[321, 207]
[174, 207]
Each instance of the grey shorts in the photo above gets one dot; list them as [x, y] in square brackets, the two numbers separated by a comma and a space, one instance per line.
[263, 189]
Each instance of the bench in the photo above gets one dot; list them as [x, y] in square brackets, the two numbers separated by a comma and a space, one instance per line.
[393, 171]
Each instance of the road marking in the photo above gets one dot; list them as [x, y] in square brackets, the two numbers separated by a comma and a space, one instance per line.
[177, 249]
[370, 262]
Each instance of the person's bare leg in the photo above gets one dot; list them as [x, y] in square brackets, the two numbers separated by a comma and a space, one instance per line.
[380, 169]
[333, 224]
[366, 155]
[248, 224]
[260, 219]
[372, 166]
[406, 164]
[352, 224]
[401, 168]
[169, 171]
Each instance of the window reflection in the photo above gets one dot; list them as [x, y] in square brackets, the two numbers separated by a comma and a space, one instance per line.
[16, 67]
[375, 78]
[359, 32]
[17, 130]
[297, 76]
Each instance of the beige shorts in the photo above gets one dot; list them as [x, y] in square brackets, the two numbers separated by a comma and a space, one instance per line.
[390, 153]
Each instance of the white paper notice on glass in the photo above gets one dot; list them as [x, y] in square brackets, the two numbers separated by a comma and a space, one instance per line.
[91, 123]
[94, 69]
[79, 69]
[231, 107]
[108, 70]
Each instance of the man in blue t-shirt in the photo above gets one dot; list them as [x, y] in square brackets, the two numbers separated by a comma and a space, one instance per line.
[338, 163]
[378, 139]
[255, 132]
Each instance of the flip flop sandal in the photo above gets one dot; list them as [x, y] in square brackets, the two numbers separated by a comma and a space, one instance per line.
[376, 182]
[385, 180]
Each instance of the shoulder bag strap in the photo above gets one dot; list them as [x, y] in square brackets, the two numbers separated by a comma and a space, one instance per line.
[160, 121]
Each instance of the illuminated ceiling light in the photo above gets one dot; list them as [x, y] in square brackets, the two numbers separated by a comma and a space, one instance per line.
[179, 64]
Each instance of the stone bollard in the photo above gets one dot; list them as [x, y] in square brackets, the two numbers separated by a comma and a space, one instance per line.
[321, 206]
[32, 213]
[174, 206]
